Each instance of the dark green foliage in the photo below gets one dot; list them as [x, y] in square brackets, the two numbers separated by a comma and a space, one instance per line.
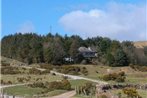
[120, 58]
[52, 49]
[110, 59]
[129, 49]
[145, 50]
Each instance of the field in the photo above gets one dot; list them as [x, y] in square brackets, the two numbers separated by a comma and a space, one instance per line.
[132, 76]
[94, 72]
[47, 77]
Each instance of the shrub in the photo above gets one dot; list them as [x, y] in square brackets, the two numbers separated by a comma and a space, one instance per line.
[131, 92]
[9, 82]
[69, 70]
[46, 66]
[84, 71]
[34, 71]
[103, 96]
[118, 77]
[37, 84]
[139, 68]
[3, 63]
[66, 84]
[87, 89]
[10, 70]
[54, 85]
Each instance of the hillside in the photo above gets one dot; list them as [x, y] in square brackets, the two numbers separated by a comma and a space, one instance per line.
[140, 44]
[12, 62]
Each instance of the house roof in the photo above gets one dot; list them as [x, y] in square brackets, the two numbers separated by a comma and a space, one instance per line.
[84, 49]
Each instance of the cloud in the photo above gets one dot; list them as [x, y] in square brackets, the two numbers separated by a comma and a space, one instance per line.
[117, 21]
[26, 27]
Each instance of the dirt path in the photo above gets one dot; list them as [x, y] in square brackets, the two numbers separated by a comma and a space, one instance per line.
[68, 94]
[79, 77]
[4, 86]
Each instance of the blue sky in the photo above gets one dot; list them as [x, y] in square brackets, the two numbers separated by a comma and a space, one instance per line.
[38, 15]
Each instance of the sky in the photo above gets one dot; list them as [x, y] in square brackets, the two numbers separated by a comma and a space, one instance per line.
[116, 19]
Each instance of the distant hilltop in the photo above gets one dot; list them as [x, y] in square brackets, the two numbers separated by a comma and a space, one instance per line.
[140, 44]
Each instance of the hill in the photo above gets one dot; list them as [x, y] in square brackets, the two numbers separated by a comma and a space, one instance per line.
[140, 44]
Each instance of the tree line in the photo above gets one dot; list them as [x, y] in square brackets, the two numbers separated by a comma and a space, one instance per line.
[52, 49]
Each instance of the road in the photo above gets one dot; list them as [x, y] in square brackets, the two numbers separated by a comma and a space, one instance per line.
[68, 94]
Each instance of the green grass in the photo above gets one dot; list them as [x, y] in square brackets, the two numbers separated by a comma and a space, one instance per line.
[132, 76]
[22, 90]
[29, 92]
[75, 83]
[13, 78]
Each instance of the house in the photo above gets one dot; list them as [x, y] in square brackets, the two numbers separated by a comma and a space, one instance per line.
[88, 52]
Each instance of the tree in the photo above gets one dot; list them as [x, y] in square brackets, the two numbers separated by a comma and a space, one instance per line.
[145, 50]
[74, 48]
[58, 52]
[110, 59]
[129, 50]
[120, 58]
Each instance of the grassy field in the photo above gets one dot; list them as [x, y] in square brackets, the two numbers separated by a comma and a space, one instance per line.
[13, 78]
[28, 92]
[131, 76]
[75, 83]
[94, 72]
[22, 90]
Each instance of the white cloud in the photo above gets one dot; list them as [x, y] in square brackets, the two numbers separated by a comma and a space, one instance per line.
[26, 27]
[117, 21]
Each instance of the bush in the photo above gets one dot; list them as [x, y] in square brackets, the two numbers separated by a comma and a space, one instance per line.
[34, 71]
[131, 92]
[84, 71]
[37, 84]
[118, 77]
[46, 66]
[139, 68]
[69, 70]
[66, 84]
[10, 70]
[87, 89]
[3, 63]
[103, 96]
